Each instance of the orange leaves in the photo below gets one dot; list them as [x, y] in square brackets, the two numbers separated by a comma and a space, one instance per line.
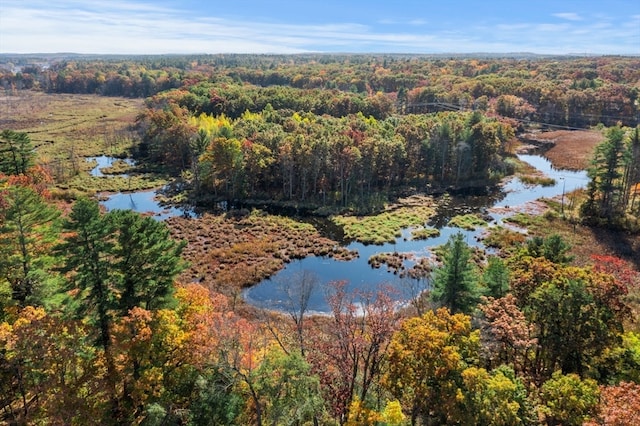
[215, 334]
[50, 373]
[507, 336]
[619, 405]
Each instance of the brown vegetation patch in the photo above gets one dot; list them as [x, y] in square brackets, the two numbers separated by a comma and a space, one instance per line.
[394, 261]
[570, 149]
[65, 128]
[422, 269]
[227, 254]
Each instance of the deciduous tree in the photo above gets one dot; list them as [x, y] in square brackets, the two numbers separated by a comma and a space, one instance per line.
[568, 400]
[427, 356]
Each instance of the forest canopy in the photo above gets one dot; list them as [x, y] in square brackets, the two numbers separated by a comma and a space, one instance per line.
[103, 320]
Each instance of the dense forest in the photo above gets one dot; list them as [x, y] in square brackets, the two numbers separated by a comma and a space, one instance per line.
[104, 318]
[557, 90]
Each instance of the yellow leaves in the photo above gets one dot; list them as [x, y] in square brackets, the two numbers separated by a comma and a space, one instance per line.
[6, 335]
[251, 116]
[28, 315]
[392, 414]
[194, 299]
[209, 124]
[171, 334]
[426, 354]
[360, 415]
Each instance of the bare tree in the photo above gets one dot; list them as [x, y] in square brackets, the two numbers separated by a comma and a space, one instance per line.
[299, 290]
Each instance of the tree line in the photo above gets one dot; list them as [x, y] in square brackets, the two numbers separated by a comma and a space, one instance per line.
[614, 187]
[323, 160]
[94, 327]
[576, 92]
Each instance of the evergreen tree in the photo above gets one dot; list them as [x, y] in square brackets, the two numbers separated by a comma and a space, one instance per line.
[496, 277]
[16, 152]
[605, 191]
[117, 262]
[632, 171]
[87, 251]
[455, 283]
[146, 260]
[28, 229]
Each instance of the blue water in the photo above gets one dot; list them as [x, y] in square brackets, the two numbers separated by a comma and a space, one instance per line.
[106, 161]
[145, 203]
[272, 293]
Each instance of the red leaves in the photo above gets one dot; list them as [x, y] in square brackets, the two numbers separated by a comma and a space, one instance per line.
[619, 405]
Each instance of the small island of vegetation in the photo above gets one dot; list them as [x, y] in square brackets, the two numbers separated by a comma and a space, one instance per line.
[116, 317]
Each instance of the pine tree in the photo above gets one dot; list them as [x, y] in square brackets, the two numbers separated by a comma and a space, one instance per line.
[605, 189]
[455, 283]
[146, 259]
[28, 229]
[16, 152]
[117, 262]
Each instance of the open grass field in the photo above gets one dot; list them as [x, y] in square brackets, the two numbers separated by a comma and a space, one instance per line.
[570, 149]
[67, 128]
[88, 124]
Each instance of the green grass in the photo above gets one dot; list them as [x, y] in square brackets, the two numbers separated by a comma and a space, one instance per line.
[424, 233]
[384, 227]
[504, 239]
[468, 221]
[65, 129]
[525, 220]
[91, 184]
[537, 180]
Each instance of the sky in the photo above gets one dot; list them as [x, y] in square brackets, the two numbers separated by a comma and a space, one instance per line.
[592, 27]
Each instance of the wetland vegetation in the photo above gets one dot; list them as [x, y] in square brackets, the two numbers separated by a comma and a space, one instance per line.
[383, 233]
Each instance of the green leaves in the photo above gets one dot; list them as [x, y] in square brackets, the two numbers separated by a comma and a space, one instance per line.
[16, 153]
[146, 260]
[122, 259]
[568, 400]
[28, 229]
[455, 283]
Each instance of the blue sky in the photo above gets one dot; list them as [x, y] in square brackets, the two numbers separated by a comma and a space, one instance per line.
[288, 26]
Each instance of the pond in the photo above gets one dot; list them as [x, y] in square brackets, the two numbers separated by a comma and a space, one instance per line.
[105, 161]
[272, 293]
[144, 202]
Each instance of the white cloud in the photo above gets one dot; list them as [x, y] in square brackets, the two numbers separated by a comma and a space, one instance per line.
[570, 16]
[418, 22]
[128, 26]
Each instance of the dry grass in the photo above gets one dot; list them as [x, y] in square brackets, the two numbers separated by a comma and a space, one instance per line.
[64, 128]
[571, 149]
[229, 253]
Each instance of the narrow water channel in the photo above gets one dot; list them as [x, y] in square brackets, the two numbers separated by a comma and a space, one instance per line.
[271, 293]
[358, 274]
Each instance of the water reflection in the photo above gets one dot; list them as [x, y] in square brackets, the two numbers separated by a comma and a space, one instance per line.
[105, 161]
[144, 202]
[360, 275]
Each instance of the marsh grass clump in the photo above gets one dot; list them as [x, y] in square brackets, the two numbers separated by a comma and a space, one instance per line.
[92, 184]
[421, 270]
[424, 233]
[525, 220]
[229, 252]
[503, 239]
[394, 261]
[537, 180]
[118, 167]
[386, 226]
[469, 222]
